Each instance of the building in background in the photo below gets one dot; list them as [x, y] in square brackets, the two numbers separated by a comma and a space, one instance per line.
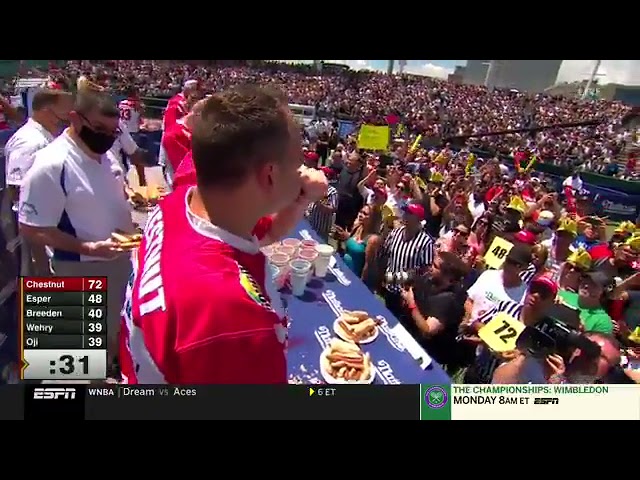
[475, 72]
[458, 75]
[523, 75]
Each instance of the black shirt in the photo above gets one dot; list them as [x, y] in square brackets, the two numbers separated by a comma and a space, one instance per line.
[433, 222]
[448, 307]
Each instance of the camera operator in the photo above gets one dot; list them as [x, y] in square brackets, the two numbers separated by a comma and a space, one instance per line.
[581, 366]
[540, 296]
[435, 305]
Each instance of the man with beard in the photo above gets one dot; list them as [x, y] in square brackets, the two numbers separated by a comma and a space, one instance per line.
[436, 307]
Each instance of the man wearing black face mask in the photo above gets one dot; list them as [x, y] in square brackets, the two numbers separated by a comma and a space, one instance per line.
[71, 201]
[50, 112]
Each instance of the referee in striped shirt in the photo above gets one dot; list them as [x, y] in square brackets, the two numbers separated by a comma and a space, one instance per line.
[321, 214]
[540, 297]
[407, 249]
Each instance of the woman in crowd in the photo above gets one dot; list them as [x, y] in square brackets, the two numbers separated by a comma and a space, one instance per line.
[480, 235]
[457, 242]
[362, 242]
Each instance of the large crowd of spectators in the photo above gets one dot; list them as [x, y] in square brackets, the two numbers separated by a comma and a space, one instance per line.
[426, 105]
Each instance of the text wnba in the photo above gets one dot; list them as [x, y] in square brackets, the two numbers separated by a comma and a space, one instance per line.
[54, 393]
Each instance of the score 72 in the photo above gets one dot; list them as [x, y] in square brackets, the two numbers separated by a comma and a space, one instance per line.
[95, 284]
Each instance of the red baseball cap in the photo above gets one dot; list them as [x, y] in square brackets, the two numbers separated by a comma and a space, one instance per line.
[414, 209]
[328, 172]
[547, 282]
[525, 236]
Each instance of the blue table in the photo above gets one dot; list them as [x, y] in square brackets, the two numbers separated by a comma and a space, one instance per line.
[312, 317]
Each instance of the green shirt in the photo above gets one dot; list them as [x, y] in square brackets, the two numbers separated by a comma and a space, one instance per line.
[593, 319]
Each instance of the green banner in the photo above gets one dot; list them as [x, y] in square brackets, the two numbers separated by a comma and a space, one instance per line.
[435, 402]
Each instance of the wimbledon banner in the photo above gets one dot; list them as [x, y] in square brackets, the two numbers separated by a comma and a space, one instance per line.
[529, 402]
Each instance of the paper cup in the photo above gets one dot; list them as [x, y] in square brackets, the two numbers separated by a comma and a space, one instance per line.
[287, 250]
[322, 261]
[291, 242]
[308, 244]
[280, 260]
[268, 250]
[298, 276]
[308, 254]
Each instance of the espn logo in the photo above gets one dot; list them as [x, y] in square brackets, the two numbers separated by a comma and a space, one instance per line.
[546, 401]
[54, 393]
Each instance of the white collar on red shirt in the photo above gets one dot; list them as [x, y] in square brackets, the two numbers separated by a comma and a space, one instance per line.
[206, 228]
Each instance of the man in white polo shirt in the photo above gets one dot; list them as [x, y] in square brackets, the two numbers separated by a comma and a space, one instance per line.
[71, 201]
[50, 111]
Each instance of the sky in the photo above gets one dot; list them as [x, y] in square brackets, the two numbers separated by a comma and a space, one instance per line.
[611, 71]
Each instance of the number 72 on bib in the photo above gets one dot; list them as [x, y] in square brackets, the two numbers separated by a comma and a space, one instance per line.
[501, 332]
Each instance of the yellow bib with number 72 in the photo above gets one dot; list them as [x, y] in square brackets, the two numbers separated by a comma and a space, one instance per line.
[497, 252]
[501, 333]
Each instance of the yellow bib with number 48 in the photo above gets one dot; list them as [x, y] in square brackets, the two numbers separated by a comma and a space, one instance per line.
[501, 333]
[497, 252]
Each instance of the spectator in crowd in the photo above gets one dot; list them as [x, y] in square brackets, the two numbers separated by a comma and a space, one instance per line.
[362, 242]
[494, 286]
[408, 249]
[321, 213]
[589, 300]
[349, 198]
[435, 305]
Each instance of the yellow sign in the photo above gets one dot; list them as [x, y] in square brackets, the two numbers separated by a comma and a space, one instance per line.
[497, 252]
[311, 392]
[501, 333]
[372, 137]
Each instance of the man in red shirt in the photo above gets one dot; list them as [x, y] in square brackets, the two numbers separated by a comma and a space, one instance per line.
[177, 139]
[177, 107]
[201, 307]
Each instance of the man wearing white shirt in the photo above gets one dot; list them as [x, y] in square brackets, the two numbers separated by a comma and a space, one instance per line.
[50, 112]
[574, 181]
[71, 201]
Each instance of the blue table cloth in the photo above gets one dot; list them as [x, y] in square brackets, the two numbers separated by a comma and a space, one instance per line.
[312, 316]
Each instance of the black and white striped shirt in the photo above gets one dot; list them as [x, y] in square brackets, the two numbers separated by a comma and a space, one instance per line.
[320, 218]
[527, 274]
[402, 255]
